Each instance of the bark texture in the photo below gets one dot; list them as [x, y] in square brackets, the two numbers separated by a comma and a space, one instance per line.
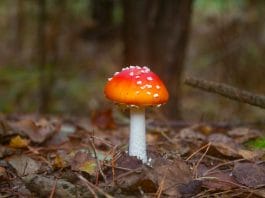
[156, 34]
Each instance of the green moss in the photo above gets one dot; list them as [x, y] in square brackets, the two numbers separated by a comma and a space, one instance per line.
[257, 143]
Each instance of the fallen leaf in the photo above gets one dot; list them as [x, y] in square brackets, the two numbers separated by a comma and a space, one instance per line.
[171, 173]
[89, 166]
[82, 161]
[191, 134]
[43, 186]
[38, 132]
[204, 129]
[24, 165]
[18, 142]
[103, 119]
[6, 151]
[190, 189]
[175, 173]
[225, 145]
[5, 129]
[243, 134]
[250, 155]
[62, 135]
[219, 180]
[59, 162]
[3, 174]
[249, 174]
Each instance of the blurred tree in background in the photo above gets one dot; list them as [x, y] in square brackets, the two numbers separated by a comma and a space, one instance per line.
[156, 34]
[55, 55]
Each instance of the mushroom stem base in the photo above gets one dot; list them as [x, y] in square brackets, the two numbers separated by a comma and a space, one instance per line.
[137, 144]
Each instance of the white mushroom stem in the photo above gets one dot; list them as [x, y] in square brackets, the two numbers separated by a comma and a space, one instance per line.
[137, 144]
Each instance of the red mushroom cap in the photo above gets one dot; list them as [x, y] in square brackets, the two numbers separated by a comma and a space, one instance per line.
[137, 86]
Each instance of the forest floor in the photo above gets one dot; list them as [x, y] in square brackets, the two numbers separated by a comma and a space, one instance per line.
[86, 157]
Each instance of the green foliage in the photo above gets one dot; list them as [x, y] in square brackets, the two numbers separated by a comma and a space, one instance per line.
[257, 143]
[17, 87]
[218, 6]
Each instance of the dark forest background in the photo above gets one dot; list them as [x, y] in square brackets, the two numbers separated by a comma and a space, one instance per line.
[55, 55]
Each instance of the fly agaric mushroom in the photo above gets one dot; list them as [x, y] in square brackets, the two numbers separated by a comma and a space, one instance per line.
[137, 87]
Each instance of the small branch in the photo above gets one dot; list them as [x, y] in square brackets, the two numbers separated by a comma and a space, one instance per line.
[91, 140]
[91, 187]
[227, 91]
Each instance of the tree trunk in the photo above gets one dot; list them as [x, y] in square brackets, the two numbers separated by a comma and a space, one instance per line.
[44, 93]
[135, 32]
[156, 34]
[102, 12]
[20, 24]
[169, 41]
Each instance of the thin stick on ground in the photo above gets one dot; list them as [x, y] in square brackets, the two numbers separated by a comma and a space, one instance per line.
[91, 186]
[91, 140]
[84, 180]
[203, 147]
[53, 189]
[227, 91]
[222, 164]
[160, 188]
[199, 161]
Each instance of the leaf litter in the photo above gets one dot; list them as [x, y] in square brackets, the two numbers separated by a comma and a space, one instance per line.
[79, 157]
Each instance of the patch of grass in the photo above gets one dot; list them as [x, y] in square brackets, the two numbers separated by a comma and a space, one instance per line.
[257, 143]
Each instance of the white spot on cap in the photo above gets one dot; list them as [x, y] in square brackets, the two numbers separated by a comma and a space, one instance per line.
[159, 105]
[148, 93]
[156, 95]
[144, 71]
[146, 68]
[126, 68]
[109, 79]
[137, 92]
[137, 77]
[142, 87]
[139, 82]
[116, 73]
[138, 67]
[149, 78]
[148, 86]
[132, 67]
[131, 74]
[157, 86]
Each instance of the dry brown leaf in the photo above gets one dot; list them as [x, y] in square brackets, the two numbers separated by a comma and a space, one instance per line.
[243, 134]
[38, 132]
[191, 134]
[82, 161]
[24, 165]
[18, 142]
[59, 162]
[225, 145]
[249, 174]
[3, 174]
[250, 155]
[172, 174]
[103, 119]
[219, 181]
[176, 173]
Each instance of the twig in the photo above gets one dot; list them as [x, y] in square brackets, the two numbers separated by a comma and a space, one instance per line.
[196, 166]
[227, 91]
[225, 181]
[53, 189]
[222, 164]
[94, 186]
[91, 140]
[203, 147]
[119, 168]
[113, 166]
[161, 187]
[87, 185]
